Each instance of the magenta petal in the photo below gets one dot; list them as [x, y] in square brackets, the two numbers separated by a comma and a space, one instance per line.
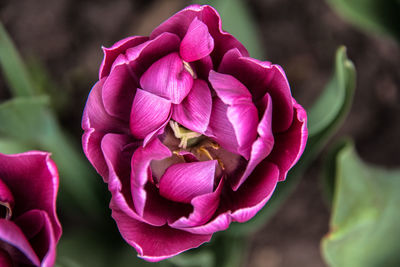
[6, 198]
[16, 244]
[254, 193]
[91, 147]
[148, 113]
[5, 258]
[220, 128]
[37, 228]
[140, 164]
[35, 171]
[197, 42]
[263, 145]
[290, 145]
[261, 78]
[195, 110]
[155, 243]
[118, 91]
[204, 207]
[168, 78]
[183, 181]
[110, 54]
[220, 223]
[228, 88]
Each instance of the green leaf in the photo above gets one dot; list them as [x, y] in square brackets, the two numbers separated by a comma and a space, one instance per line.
[365, 222]
[29, 122]
[238, 21]
[14, 70]
[381, 16]
[324, 119]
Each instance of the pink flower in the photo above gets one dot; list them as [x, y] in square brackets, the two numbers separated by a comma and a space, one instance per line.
[189, 132]
[29, 227]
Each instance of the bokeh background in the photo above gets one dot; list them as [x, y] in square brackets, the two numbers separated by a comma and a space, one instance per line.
[65, 37]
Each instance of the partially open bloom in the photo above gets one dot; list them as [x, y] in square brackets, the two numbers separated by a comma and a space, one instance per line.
[189, 132]
[29, 227]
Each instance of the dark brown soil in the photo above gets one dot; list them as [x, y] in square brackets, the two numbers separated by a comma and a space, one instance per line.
[302, 36]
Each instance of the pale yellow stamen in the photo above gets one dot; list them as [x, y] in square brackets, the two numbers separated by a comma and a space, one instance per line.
[182, 134]
[189, 69]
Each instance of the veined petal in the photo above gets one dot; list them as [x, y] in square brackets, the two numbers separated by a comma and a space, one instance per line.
[197, 42]
[110, 54]
[118, 91]
[261, 78]
[290, 145]
[228, 88]
[148, 113]
[263, 145]
[168, 78]
[204, 207]
[140, 164]
[195, 110]
[155, 243]
[183, 181]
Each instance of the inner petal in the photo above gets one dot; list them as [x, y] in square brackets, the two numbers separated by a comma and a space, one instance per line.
[6, 201]
[183, 181]
[168, 78]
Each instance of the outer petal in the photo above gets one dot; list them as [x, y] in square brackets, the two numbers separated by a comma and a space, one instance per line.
[155, 243]
[6, 199]
[204, 207]
[182, 182]
[37, 227]
[33, 179]
[263, 145]
[179, 24]
[5, 259]
[118, 91]
[140, 163]
[195, 110]
[261, 78]
[290, 145]
[13, 240]
[168, 78]
[197, 43]
[242, 205]
[110, 54]
[148, 113]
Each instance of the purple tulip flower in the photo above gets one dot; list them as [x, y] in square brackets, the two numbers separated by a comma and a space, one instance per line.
[189, 132]
[29, 227]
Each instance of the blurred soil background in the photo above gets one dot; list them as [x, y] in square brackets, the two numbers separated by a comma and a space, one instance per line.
[302, 36]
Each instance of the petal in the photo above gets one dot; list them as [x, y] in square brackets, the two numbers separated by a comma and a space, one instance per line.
[261, 78]
[168, 78]
[118, 91]
[33, 179]
[148, 113]
[140, 164]
[262, 146]
[16, 244]
[220, 128]
[254, 193]
[290, 145]
[202, 67]
[110, 54]
[96, 117]
[228, 88]
[155, 243]
[195, 110]
[91, 141]
[204, 207]
[183, 181]
[180, 22]
[197, 43]
[37, 228]
[220, 223]
[6, 199]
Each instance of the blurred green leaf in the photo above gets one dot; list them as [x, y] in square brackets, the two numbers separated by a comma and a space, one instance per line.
[31, 123]
[365, 222]
[371, 15]
[13, 68]
[198, 258]
[324, 119]
[238, 20]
